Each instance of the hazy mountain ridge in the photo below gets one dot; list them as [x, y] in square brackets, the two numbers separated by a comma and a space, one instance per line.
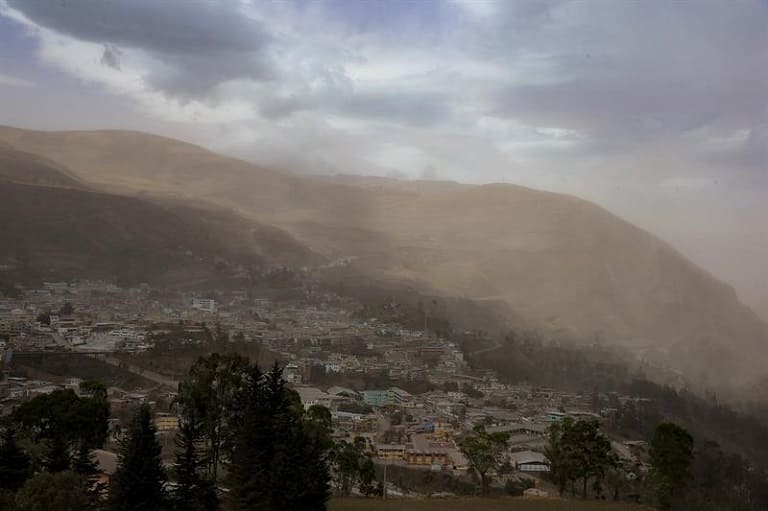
[51, 226]
[558, 261]
[21, 167]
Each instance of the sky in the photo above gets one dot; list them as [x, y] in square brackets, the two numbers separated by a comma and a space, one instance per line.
[657, 111]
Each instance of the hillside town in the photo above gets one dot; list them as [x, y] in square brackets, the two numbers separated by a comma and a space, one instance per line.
[332, 354]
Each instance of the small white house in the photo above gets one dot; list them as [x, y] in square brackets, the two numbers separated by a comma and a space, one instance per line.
[204, 304]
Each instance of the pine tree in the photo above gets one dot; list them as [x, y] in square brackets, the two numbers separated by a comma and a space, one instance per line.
[249, 470]
[139, 482]
[14, 463]
[57, 459]
[277, 463]
[83, 463]
[194, 490]
[671, 457]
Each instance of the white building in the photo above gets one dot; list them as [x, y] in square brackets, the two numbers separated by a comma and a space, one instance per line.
[292, 374]
[313, 396]
[529, 461]
[204, 304]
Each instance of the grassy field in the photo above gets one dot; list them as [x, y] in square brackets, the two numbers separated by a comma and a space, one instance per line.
[476, 504]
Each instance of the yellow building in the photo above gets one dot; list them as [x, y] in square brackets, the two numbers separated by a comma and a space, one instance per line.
[390, 452]
[166, 422]
[426, 457]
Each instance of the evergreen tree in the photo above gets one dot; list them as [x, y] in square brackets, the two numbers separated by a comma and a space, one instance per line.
[14, 463]
[671, 457]
[57, 459]
[194, 490]
[139, 482]
[249, 470]
[278, 463]
[306, 489]
[83, 463]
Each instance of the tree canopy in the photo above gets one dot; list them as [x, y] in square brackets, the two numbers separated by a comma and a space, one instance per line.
[139, 482]
[578, 450]
[485, 452]
[210, 394]
[14, 463]
[62, 491]
[270, 446]
[195, 490]
[66, 423]
[671, 456]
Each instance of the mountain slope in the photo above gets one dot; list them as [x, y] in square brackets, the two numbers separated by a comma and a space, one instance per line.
[52, 232]
[51, 226]
[562, 263]
[20, 167]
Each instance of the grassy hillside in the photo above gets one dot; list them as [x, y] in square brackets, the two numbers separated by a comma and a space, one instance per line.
[52, 225]
[475, 504]
[51, 233]
[20, 167]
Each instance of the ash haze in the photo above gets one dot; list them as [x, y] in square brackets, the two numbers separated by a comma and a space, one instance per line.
[658, 111]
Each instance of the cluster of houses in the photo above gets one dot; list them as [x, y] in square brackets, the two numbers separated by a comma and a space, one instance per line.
[321, 332]
[423, 431]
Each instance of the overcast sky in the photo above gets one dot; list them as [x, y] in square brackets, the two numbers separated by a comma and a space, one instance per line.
[656, 110]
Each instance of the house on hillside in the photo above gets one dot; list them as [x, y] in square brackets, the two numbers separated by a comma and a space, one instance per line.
[311, 396]
[343, 392]
[166, 422]
[390, 397]
[204, 304]
[391, 452]
[529, 461]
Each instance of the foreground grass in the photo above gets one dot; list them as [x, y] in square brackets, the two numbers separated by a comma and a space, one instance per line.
[477, 504]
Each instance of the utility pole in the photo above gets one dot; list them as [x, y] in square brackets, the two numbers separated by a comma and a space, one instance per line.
[384, 486]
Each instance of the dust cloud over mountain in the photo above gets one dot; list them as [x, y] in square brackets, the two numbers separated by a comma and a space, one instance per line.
[54, 226]
[568, 267]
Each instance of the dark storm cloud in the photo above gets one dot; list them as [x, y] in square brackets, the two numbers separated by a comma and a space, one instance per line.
[173, 26]
[636, 105]
[622, 73]
[202, 43]
[617, 74]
